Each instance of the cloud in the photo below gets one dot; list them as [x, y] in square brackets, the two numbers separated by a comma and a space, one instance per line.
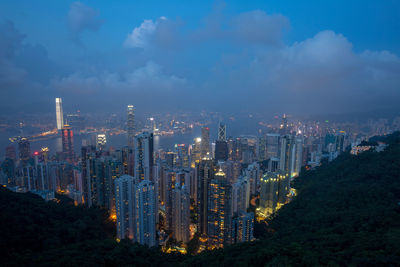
[82, 18]
[10, 42]
[235, 62]
[149, 78]
[141, 36]
[321, 73]
[259, 28]
[254, 27]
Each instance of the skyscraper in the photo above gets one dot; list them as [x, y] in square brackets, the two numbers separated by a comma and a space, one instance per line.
[59, 114]
[240, 195]
[272, 142]
[221, 150]
[145, 213]
[204, 173]
[195, 152]
[243, 227]
[101, 141]
[286, 153]
[297, 160]
[131, 126]
[284, 127]
[182, 156]
[253, 174]
[205, 142]
[261, 148]
[180, 213]
[339, 141]
[221, 132]
[125, 206]
[24, 149]
[144, 156]
[219, 211]
[269, 193]
[67, 143]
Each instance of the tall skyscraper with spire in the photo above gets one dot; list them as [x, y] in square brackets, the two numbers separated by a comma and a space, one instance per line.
[59, 114]
[131, 126]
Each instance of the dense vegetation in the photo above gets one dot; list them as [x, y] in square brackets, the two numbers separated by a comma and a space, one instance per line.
[347, 212]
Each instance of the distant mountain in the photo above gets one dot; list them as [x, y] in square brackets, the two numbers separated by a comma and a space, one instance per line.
[346, 212]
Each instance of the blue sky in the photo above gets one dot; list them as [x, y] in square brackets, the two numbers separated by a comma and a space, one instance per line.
[293, 52]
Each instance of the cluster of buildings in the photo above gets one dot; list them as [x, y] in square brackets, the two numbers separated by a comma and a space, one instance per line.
[215, 189]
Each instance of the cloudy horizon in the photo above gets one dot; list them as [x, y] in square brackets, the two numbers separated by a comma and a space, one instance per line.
[217, 56]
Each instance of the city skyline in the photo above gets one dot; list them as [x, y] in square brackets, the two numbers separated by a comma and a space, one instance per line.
[152, 133]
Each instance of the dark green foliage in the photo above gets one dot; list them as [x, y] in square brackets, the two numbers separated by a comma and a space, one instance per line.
[347, 212]
[29, 224]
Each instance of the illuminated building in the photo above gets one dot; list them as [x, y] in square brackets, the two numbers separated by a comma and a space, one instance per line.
[68, 143]
[182, 156]
[236, 149]
[204, 173]
[125, 207]
[44, 151]
[144, 156]
[126, 158]
[253, 174]
[221, 132]
[287, 154]
[180, 213]
[284, 127]
[243, 227]
[101, 141]
[205, 142]
[195, 152]
[272, 142]
[113, 170]
[232, 170]
[59, 114]
[170, 158]
[262, 148]
[131, 126]
[87, 152]
[269, 193]
[169, 177]
[145, 213]
[297, 159]
[24, 149]
[219, 211]
[240, 196]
